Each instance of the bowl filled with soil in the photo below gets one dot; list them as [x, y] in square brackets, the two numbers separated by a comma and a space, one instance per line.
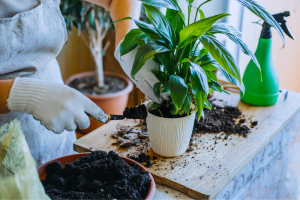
[112, 99]
[96, 175]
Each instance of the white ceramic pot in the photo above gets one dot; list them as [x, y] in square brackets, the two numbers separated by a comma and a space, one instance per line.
[170, 136]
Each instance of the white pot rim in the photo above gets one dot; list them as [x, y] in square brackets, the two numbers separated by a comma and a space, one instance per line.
[191, 113]
[167, 118]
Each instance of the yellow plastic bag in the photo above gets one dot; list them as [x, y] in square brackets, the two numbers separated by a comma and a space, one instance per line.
[18, 175]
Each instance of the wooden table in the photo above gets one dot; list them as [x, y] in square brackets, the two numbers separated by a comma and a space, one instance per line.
[259, 166]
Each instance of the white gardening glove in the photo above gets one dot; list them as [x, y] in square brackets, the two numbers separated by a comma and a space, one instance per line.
[56, 105]
[144, 79]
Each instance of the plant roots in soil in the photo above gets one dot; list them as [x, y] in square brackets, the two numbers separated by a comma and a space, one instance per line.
[99, 175]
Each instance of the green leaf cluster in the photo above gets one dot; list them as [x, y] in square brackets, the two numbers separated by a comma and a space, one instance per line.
[187, 72]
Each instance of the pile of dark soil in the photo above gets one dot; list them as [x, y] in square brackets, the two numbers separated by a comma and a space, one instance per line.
[86, 85]
[225, 119]
[139, 112]
[97, 176]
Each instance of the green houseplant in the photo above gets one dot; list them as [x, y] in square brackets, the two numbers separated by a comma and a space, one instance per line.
[186, 70]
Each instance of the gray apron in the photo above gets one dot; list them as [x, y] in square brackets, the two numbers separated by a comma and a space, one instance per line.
[29, 43]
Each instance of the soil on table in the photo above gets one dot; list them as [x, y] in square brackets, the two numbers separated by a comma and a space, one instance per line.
[225, 119]
[99, 175]
[86, 85]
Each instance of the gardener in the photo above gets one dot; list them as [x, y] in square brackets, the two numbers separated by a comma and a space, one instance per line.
[32, 33]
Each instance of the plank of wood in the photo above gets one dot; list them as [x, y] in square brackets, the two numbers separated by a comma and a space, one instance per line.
[203, 172]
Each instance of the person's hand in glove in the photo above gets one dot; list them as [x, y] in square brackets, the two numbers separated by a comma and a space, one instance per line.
[57, 106]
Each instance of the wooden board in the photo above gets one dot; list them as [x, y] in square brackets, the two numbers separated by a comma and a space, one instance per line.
[205, 171]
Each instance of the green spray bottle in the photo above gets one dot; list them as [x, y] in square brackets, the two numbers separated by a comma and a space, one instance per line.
[263, 89]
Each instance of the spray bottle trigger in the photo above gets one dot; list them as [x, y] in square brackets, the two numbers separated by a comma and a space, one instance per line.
[286, 30]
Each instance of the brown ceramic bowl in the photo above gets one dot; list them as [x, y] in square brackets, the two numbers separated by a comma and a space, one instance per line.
[112, 104]
[71, 158]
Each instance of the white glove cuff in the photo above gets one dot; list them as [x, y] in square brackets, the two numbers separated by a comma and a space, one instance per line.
[25, 94]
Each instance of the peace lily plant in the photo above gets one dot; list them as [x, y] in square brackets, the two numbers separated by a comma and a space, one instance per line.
[186, 71]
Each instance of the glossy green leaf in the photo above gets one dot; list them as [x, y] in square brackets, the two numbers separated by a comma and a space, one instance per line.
[162, 3]
[130, 42]
[233, 35]
[199, 101]
[261, 12]
[206, 57]
[140, 41]
[161, 24]
[165, 60]
[178, 90]
[210, 75]
[230, 78]
[224, 29]
[207, 104]
[221, 55]
[144, 53]
[155, 105]
[146, 28]
[176, 18]
[198, 78]
[202, 15]
[187, 104]
[209, 67]
[215, 86]
[192, 32]
[156, 89]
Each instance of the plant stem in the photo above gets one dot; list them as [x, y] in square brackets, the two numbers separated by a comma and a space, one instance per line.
[189, 11]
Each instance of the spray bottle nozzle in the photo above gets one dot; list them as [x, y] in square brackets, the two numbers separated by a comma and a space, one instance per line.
[286, 13]
[280, 18]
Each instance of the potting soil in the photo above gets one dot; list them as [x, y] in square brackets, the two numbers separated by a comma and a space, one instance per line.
[138, 112]
[99, 175]
[86, 85]
[225, 119]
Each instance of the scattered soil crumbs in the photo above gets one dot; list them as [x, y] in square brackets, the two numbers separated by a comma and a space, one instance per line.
[143, 158]
[223, 119]
[96, 176]
[129, 136]
[139, 112]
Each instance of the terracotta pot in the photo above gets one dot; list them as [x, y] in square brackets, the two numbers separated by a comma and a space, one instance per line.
[71, 158]
[114, 103]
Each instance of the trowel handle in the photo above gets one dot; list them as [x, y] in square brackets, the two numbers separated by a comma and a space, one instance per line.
[110, 117]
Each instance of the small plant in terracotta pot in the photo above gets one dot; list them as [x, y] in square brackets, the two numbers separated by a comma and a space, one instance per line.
[187, 53]
[108, 90]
